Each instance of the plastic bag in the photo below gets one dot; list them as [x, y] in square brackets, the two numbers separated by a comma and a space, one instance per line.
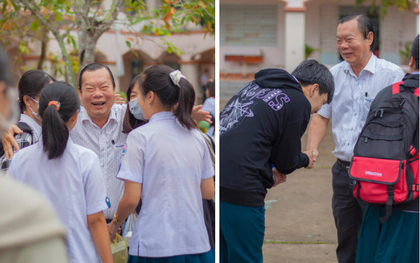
[119, 250]
[129, 227]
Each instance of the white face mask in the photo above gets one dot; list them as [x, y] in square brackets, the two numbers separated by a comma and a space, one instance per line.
[35, 113]
[135, 109]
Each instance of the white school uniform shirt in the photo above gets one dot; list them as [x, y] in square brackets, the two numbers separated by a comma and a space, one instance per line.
[108, 144]
[170, 162]
[73, 184]
[209, 105]
[352, 98]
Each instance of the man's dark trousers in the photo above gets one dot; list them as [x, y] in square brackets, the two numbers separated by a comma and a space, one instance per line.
[348, 213]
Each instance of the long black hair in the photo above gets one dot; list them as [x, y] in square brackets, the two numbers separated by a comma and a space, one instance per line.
[130, 122]
[31, 83]
[157, 79]
[54, 129]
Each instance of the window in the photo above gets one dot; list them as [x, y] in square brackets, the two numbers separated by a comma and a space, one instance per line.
[248, 25]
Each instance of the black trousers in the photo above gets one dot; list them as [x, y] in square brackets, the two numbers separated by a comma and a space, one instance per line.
[348, 214]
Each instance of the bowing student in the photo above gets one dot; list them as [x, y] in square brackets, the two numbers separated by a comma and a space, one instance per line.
[167, 163]
[68, 175]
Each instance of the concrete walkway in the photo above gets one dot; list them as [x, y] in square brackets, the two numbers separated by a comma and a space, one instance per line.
[299, 223]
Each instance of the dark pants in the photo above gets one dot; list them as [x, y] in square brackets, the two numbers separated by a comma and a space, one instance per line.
[348, 214]
[241, 233]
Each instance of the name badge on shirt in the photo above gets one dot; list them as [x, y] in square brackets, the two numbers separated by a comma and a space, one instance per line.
[108, 202]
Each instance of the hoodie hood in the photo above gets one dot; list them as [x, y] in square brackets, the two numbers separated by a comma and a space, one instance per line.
[276, 78]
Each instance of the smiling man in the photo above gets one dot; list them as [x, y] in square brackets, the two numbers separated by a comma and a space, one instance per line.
[99, 127]
[357, 81]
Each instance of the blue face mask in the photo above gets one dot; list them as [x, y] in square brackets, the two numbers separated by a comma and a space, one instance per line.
[135, 109]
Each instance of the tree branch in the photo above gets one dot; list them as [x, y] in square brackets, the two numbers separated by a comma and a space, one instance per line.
[69, 29]
[42, 20]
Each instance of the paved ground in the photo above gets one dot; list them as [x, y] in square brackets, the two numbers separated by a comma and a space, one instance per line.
[299, 223]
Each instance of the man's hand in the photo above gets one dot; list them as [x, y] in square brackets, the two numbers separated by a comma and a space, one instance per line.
[313, 155]
[200, 115]
[118, 99]
[9, 142]
[279, 178]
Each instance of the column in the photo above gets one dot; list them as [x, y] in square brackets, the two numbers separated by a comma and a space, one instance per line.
[190, 70]
[294, 36]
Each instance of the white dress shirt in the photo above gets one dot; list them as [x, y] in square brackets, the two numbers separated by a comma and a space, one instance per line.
[108, 144]
[352, 98]
[73, 184]
[170, 162]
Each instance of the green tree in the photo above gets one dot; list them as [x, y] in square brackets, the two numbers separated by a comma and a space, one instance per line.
[92, 18]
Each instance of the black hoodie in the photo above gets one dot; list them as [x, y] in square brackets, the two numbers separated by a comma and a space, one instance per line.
[261, 126]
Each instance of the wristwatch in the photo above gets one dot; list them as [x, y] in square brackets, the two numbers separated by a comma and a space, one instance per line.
[115, 219]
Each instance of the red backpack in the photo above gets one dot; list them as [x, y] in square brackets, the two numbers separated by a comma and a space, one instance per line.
[385, 163]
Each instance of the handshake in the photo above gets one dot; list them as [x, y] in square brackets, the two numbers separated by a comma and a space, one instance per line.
[312, 154]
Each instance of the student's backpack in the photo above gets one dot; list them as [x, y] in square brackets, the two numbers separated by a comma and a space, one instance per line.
[385, 163]
[25, 129]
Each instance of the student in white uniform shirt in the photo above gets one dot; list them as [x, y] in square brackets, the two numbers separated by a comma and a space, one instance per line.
[167, 163]
[68, 175]
[100, 127]
[30, 86]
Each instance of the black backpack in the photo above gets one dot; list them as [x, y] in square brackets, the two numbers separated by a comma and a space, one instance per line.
[385, 163]
[26, 129]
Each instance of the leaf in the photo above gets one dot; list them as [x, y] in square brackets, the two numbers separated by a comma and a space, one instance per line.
[168, 2]
[35, 25]
[173, 10]
[209, 25]
[131, 39]
[7, 25]
[156, 33]
[170, 50]
[74, 43]
[128, 43]
[203, 5]
[45, 10]
[59, 17]
[98, 13]
[167, 17]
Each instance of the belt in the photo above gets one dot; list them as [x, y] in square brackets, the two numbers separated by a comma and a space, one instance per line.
[343, 164]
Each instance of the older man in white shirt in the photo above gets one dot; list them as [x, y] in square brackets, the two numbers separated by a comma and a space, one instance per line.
[357, 81]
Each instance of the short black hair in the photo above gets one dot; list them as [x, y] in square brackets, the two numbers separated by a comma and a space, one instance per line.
[311, 72]
[364, 24]
[211, 87]
[414, 52]
[92, 67]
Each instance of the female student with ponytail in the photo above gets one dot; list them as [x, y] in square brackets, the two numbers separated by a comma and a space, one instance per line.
[166, 163]
[68, 175]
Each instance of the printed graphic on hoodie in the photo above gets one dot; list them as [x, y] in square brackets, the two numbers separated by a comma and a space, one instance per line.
[240, 106]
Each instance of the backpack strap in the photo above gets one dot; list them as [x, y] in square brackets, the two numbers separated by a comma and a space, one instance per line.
[390, 199]
[396, 89]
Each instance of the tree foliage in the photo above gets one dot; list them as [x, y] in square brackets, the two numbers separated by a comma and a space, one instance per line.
[22, 20]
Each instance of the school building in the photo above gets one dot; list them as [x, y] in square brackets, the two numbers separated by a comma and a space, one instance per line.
[197, 52]
[281, 34]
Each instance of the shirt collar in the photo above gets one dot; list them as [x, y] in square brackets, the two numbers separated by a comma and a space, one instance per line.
[415, 73]
[370, 66]
[32, 123]
[163, 115]
[85, 116]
